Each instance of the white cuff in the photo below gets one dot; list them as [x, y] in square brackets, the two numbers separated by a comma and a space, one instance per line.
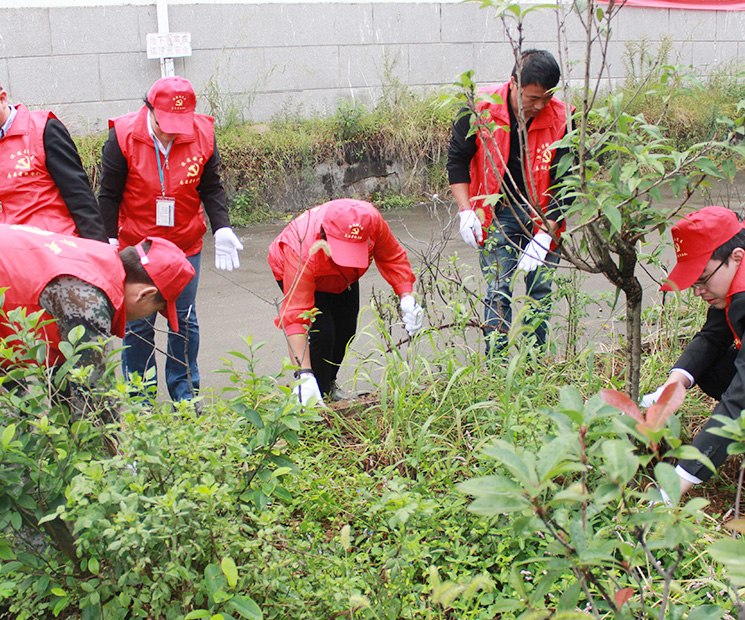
[682, 473]
[687, 375]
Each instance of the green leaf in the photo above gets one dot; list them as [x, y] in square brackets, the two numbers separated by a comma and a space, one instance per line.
[571, 399]
[614, 217]
[731, 553]
[230, 571]
[505, 454]
[7, 436]
[498, 504]
[706, 612]
[197, 613]
[666, 477]
[291, 421]
[246, 607]
[620, 459]
[569, 599]
[254, 418]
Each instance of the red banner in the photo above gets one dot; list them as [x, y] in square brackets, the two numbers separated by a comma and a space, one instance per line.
[699, 5]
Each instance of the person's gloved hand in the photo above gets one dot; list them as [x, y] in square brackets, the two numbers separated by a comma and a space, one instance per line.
[535, 252]
[470, 228]
[412, 314]
[226, 249]
[114, 241]
[306, 387]
[650, 399]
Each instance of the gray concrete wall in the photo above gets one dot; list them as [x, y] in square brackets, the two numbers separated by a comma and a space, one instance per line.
[260, 60]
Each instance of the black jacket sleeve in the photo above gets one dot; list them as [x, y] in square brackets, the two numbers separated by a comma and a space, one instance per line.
[709, 344]
[461, 149]
[212, 192]
[66, 169]
[114, 171]
[557, 206]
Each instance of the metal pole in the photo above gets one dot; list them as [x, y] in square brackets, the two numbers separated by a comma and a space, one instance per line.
[166, 64]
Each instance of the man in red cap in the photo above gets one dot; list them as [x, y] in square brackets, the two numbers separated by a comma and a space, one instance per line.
[86, 283]
[42, 181]
[160, 173]
[710, 246]
[317, 260]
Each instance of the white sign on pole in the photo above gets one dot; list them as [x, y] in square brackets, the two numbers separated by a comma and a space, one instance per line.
[168, 44]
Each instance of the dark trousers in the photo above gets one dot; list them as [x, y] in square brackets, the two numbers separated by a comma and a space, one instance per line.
[715, 382]
[332, 330]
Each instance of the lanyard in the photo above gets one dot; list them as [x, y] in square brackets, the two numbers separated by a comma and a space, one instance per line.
[160, 169]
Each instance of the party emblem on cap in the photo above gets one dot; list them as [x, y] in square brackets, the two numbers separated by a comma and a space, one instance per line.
[355, 232]
[179, 103]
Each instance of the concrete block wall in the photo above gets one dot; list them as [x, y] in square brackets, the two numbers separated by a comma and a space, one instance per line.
[88, 63]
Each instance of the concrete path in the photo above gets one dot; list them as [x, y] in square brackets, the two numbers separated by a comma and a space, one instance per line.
[234, 305]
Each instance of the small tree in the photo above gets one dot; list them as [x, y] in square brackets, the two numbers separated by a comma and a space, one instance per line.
[621, 162]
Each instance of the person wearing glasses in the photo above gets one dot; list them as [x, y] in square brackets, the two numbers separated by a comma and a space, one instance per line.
[710, 246]
[42, 180]
[160, 173]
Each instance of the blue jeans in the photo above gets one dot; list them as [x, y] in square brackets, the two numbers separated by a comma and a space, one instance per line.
[138, 355]
[498, 261]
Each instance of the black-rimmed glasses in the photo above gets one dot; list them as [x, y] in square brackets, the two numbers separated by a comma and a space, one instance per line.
[704, 281]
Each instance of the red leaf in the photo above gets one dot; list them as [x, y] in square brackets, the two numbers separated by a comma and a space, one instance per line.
[623, 595]
[622, 402]
[672, 397]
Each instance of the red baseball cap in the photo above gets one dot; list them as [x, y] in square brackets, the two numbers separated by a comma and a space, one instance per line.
[347, 224]
[696, 236]
[174, 101]
[169, 270]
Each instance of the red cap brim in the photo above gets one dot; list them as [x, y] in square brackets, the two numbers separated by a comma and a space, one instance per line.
[348, 253]
[171, 122]
[171, 314]
[685, 274]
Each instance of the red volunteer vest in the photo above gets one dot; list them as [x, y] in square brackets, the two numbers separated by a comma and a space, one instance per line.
[28, 194]
[181, 177]
[30, 258]
[737, 286]
[546, 128]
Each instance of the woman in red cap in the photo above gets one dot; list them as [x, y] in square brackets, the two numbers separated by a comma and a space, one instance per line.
[710, 246]
[159, 167]
[317, 261]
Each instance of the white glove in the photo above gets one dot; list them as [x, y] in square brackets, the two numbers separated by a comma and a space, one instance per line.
[226, 249]
[535, 252]
[412, 314]
[470, 228]
[650, 399]
[114, 241]
[306, 388]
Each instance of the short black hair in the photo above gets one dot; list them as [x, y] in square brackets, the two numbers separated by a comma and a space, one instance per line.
[537, 67]
[134, 271]
[147, 103]
[724, 251]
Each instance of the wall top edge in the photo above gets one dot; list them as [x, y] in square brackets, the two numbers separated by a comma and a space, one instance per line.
[35, 4]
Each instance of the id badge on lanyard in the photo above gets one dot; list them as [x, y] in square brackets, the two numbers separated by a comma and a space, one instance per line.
[164, 210]
[165, 207]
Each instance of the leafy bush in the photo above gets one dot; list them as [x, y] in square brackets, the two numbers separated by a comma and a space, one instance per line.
[152, 530]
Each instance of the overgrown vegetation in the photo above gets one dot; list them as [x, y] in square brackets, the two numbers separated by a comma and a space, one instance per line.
[255, 508]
